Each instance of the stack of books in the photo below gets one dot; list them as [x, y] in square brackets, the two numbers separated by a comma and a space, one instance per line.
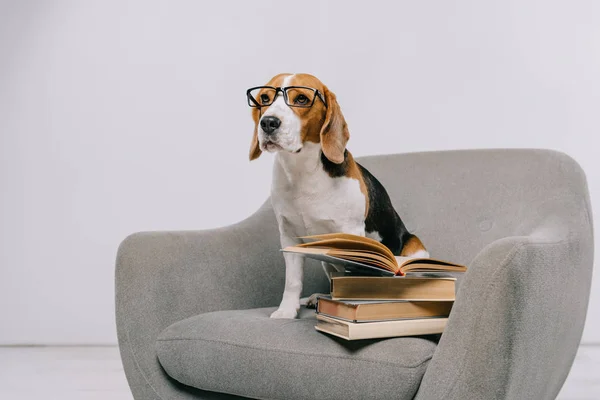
[379, 295]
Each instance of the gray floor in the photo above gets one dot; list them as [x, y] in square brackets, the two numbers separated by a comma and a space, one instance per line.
[95, 373]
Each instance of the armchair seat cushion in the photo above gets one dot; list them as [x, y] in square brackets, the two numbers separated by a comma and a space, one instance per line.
[246, 353]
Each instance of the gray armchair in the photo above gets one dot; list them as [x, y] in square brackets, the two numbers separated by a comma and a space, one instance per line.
[193, 306]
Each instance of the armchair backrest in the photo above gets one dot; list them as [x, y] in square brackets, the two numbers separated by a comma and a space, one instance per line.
[457, 202]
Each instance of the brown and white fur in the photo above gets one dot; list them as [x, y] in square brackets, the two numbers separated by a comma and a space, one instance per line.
[318, 187]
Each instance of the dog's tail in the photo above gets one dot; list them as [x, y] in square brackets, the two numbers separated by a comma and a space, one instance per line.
[413, 247]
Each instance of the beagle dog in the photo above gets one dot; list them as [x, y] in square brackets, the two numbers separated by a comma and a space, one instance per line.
[317, 186]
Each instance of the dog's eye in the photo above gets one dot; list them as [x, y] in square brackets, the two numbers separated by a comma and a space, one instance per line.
[264, 98]
[301, 99]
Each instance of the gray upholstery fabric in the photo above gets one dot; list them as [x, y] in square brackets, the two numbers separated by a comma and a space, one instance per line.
[246, 352]
[164, 277]
[520, 219]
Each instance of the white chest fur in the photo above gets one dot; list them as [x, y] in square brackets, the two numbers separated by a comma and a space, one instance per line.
[307, 201]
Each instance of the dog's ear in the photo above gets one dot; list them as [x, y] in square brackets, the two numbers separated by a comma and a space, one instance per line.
[334, 132]
[255, 150]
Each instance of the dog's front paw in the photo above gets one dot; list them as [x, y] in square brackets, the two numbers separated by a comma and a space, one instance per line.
[289, 313]
[311, 301]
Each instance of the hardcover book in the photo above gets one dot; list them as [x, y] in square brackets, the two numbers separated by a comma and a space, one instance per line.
[392, 288]
[381, 310]
[373, 330]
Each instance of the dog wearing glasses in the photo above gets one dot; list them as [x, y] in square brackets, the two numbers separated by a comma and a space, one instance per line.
[317, 186]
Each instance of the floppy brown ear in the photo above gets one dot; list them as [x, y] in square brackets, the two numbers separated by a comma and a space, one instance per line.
[255, 150]
[334, 132]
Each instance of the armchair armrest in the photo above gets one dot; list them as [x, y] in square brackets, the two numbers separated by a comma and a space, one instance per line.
[519, 313]
[164, 277]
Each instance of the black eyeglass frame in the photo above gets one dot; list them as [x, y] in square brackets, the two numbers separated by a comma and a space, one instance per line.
[253, 103]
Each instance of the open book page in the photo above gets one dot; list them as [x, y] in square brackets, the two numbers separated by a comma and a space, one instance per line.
[348, 236]
[407, 264]
[365, 256]
[344, 240]
[350, 264]
[403, 260]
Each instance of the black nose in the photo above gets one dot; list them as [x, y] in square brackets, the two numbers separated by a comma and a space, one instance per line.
[269, 124]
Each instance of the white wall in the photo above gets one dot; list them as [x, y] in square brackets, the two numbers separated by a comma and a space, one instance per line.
[117, 117]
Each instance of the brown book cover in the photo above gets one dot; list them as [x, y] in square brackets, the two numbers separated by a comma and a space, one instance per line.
[362, 253]
[380, 310]
[392, 288]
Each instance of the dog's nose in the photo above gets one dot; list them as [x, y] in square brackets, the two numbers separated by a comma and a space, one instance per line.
[269, 124]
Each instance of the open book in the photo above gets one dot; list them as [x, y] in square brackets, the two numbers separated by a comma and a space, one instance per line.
[362, 254]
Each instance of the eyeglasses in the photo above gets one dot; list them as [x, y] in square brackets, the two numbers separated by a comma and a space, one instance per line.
[294, 96]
